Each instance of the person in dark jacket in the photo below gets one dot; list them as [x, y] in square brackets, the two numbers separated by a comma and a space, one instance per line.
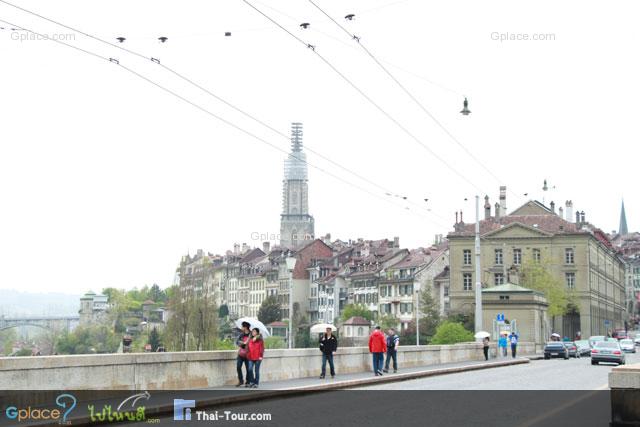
[377, 347]
[485, 348]
[393, 342]
[328, 347]
[243, 352]
[256, 353]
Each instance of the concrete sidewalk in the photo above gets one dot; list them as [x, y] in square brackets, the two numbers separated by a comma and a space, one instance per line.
[362, 378]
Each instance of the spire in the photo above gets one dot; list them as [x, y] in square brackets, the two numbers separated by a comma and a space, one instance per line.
[623, 221]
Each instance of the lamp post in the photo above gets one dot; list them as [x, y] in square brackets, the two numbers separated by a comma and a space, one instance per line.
[417, 317]
[291, 264]
[478, 314]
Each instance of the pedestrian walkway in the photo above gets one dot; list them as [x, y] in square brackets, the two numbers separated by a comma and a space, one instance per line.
[349, 380]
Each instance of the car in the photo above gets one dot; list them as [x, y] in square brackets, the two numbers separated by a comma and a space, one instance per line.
[556, 349]
[584, 348]
[595, 339]
[620, 334]
[572, 348]
[637, 340]
[607, 351]
[627, 346]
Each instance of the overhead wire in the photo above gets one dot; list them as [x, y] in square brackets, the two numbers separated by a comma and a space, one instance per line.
[206, 111]
[368, 98]
[387, 191]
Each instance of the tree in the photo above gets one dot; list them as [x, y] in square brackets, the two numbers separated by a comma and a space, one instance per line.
[223, 311]
[352, 310]
[270, 310]
[178, 324]
[274, 342]
[429, 312]
[467, 319]
[154, 339]
[388, 321]
[8, 337]
[537, 276]
[451, 333]
[87, 340]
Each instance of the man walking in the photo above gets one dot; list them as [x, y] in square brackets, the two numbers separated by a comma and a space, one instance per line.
[393, 342]
[242, 342]
[328, 347]
[513, 339]
[377, 347]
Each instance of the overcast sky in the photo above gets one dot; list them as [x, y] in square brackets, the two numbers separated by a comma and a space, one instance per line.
[106, 180]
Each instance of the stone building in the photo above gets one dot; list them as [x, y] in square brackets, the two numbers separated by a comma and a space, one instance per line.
[93, 308]
[576, 253]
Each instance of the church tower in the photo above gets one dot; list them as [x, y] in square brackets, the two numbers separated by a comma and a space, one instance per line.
[622, 230]
[296, 225]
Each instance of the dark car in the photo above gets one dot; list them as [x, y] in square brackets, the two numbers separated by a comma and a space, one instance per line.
[556, 349]
[573, 349]
[584, 348]
[607, 351]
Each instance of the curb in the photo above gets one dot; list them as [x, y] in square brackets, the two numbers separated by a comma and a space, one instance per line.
[253, 396]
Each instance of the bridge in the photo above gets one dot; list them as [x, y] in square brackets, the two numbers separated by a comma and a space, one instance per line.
[45, 322]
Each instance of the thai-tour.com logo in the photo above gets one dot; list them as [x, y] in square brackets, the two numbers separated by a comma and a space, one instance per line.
[65, 404]
[182, 409]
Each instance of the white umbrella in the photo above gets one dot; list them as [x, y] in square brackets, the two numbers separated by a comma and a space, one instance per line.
[322, 327]
[482, 334]
[253, 323]
[555, 335]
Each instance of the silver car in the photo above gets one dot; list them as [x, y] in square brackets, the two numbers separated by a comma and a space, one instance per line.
[627, 346]
[607, 351]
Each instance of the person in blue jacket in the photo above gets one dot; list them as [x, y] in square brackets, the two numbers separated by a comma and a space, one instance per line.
[502, 343]
[513, 339]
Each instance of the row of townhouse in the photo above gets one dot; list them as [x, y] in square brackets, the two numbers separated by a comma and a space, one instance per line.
[325, 278]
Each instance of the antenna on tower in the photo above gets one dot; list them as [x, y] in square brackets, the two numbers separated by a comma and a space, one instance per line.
[296, 137]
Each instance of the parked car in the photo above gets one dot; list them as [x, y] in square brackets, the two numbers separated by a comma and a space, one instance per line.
[620, 334]
[627, 346]
[584, 348]
[607, 351]
[556, 349]
[595, 339]
[572, 348]
[637, 340]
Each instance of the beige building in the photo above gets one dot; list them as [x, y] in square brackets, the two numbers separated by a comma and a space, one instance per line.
[577, 254]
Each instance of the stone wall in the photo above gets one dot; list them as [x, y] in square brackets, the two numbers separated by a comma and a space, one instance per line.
[185, 370]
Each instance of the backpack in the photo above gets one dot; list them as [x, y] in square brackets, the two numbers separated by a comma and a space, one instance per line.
[391, 342]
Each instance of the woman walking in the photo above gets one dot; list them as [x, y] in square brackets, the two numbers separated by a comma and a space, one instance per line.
[485, 347]
[256, 352]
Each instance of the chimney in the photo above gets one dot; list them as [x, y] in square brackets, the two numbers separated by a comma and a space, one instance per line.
[578, 217]
[582, 220]
[244, 247]
[503, 199]
[456, 217]
[497, 210]
[487, 208]
[569, 211]
[236, 248]
[396, 242]
[561, 212]
[265, 247]
[553, 206]
[461, 221]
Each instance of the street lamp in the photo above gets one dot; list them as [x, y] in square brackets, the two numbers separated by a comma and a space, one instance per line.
[478, 314]
[291, 264]
[417, 317]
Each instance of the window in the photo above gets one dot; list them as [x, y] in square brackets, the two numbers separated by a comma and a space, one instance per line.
[568, 256]
[446, 291]
[571, 280]
[498, 279]
[466, 282]
[498, 256]
[406, 307]
[466, 256]
[536, 255]
[360, 331]
[517, 256]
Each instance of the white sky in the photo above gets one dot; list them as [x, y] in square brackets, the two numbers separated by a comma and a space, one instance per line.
[106, 180]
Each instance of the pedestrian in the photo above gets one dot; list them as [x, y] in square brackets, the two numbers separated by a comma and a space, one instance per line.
[393, 342]
[328, 347]
[502, 343]
[485, 348]
[377, 347]
[513, 339]
[243, 351]
[256, 353]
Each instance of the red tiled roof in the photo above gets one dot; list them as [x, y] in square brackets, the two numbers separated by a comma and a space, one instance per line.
[357, 321]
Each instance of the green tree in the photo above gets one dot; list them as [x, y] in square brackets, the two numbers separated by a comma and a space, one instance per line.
[270, 310]
[274, 342]
[388, 321]
[352, 310]
[223, 311]
[451, 333]
[87, 340]
[465, 318]
[429, 312]
[7, 339]
[154, 339]
[538, 276]
[178, 324]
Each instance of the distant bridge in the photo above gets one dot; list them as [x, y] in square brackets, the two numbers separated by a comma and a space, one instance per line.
[45, 322]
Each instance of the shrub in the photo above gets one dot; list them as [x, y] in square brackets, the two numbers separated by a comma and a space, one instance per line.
[274, 342]
[451, 333]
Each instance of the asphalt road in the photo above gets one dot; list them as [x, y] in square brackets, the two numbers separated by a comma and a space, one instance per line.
[554, 374]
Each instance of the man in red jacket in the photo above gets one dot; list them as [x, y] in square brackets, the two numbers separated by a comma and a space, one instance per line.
[377, 347]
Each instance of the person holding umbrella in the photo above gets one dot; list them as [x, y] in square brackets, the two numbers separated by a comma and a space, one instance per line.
[328, 346]
[243, 352]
